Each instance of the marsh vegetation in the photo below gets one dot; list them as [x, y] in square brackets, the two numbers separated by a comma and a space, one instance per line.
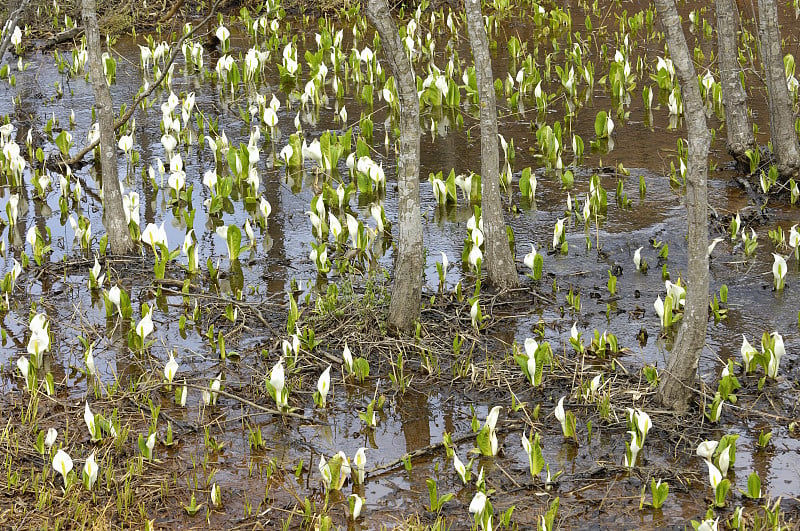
[249, 364]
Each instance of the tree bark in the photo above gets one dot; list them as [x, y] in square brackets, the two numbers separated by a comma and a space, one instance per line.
[734, 98]
[499, 261]
[677, 380]
[407, 288]
[119, 237]
[784, 139]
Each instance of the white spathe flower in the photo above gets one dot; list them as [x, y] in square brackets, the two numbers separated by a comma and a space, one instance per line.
[530, 258]
[714, 475]
[115, 296]
[39, 342]
[96, 271]
[358, 504]
[277, 380]
[264, 207]
[461, 470]
[473, 312]
[176, 163]
[90, 470]
[169, 142]
[794, 237]
[184, 392]
[324, 385]
[445, 262]
[88, 418]
[678, 293]
[635, 447]
[491, 418]
[347, 356]
[126, 143]
[170, 368]
[24, 367]
[360, 462]
[637, 258]
[335, 225]
[558, 232]
[30, 236]
[90, 366]
[210, 180]
[222, 33]
[150, 444]
[748, 353]
[62, 463]
[12, 207]
[713, 244]
[594, 385]
[724, 461]
[658, 305]
[643, 422]
[154, 234]
[709, 525]
[16, 36]
[286, 153]
[530, 349]
[325, 470]
[478, 503]
[560, 413]
[778, 349]
[475, 256]
[779, 271]
[270, 117]
[376, 212]
[145, 326]
[313, 151]
[177, 180]
[50, 437]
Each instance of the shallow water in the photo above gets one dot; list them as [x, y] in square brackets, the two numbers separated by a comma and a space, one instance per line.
[418, 418]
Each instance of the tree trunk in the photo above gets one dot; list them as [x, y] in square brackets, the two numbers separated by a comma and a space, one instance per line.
[499, 261]
[407, 289]
[678, 379]
[734, 98]
[784, 139]
[119, 237]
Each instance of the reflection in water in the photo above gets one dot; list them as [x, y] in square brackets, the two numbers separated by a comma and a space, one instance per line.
[283, 255]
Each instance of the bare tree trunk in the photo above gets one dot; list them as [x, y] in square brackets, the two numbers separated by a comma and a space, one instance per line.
[407, 289]
[119, 237]
[499, 261]
[784, 139]
[677, 382]
[734, 98]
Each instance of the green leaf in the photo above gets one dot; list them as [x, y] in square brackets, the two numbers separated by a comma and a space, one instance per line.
[234, 240]
[753, 486]
[600, 124]
[484, 444]
[525, 187]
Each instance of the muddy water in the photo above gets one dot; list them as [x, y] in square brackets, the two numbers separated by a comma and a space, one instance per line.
[643, 143]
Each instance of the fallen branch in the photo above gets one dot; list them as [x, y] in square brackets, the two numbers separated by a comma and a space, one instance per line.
[253, 405]
[62, 37]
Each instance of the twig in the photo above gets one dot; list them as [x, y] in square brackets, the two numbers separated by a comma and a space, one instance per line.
[263, 409]
[388, 467]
